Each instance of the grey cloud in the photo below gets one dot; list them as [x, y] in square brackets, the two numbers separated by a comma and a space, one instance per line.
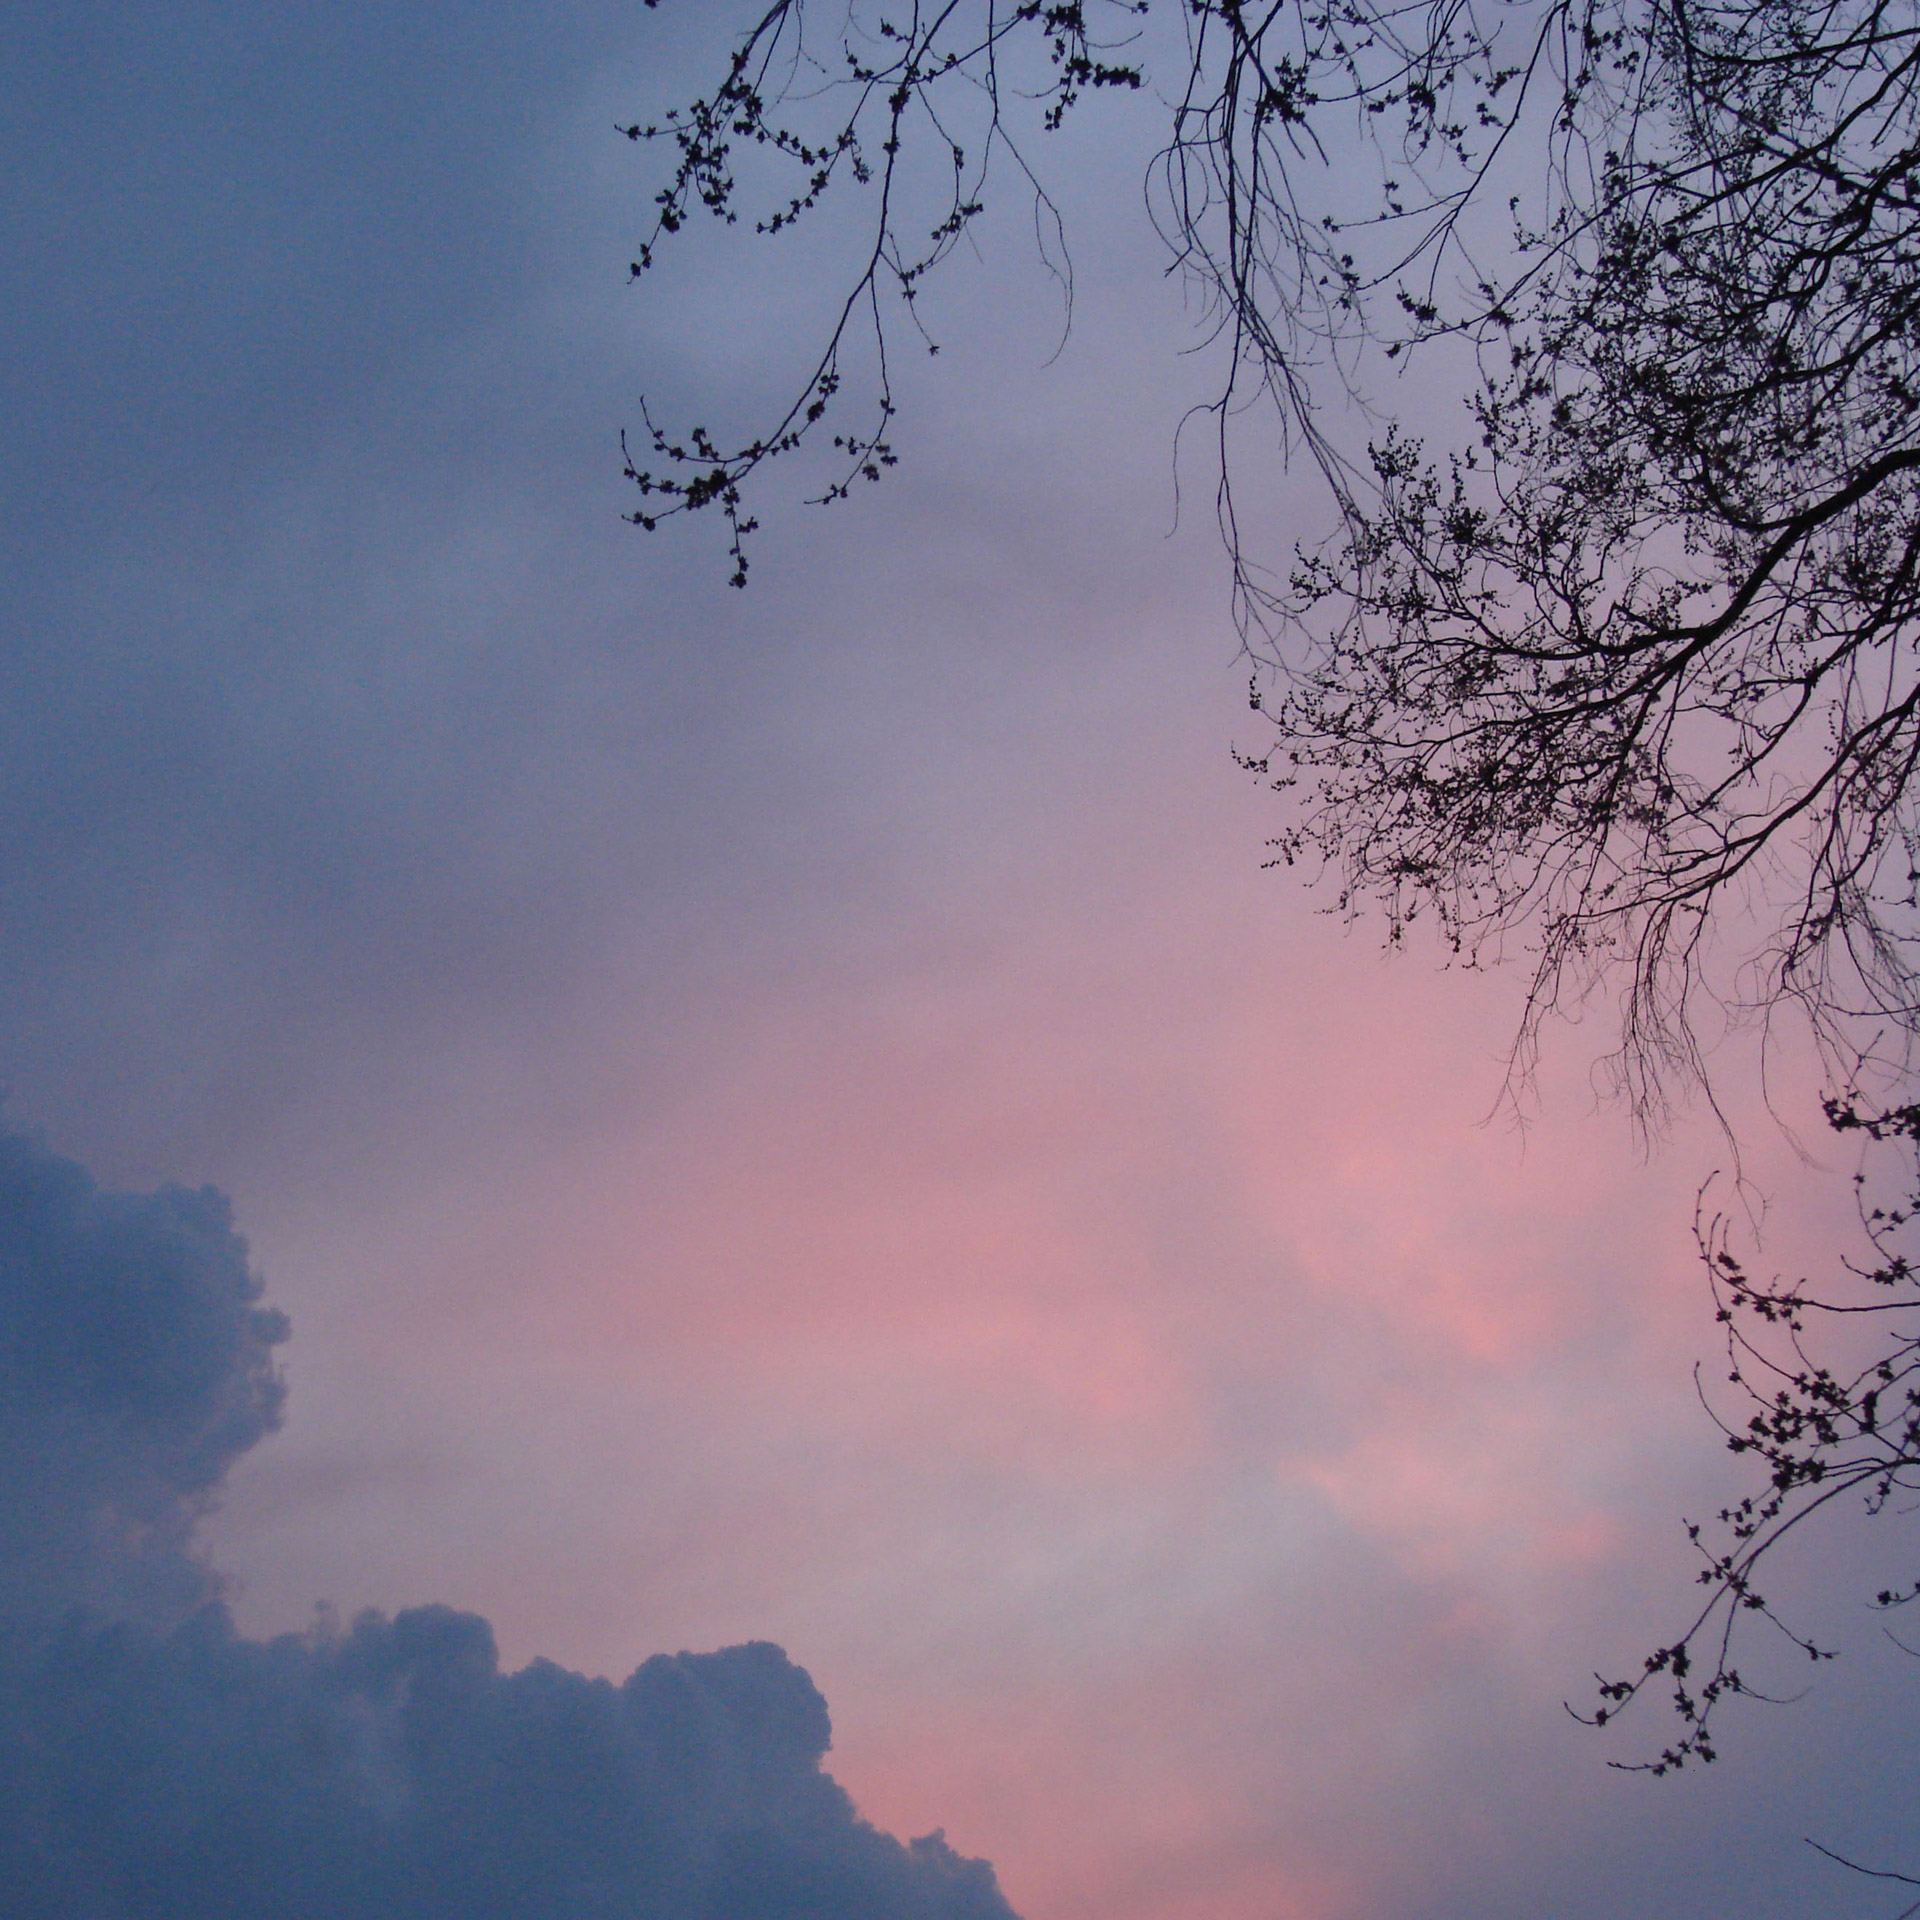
[392, 1770]
[136, 1364]
[154, 1763]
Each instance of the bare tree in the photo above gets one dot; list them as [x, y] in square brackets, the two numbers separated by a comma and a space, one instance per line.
[920, 105]
[1629, 661]
[1641, 652]
[1825, 1402]
[1622, 677]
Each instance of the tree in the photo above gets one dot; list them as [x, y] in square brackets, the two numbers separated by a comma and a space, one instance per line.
[1647, 642]
[1623, 677]
[1825, 1401]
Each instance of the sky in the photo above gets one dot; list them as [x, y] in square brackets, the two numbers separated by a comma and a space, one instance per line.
[784, 1144]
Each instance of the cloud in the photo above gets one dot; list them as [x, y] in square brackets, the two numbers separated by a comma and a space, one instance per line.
[392, 1770]
[136, 1364]
[155, 1763]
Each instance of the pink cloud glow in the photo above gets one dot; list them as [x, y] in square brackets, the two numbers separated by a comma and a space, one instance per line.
[1132, 1395]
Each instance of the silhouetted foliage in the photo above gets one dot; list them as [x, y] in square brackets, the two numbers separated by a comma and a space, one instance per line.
[1623, 668]
[1632, 658]
[1826, 1403]
[859, 111]
[1643, 652]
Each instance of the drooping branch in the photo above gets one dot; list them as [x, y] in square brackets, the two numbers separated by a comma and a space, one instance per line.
[1631, 661]
[1827, 1405]
[1263, 98]
[879, 99]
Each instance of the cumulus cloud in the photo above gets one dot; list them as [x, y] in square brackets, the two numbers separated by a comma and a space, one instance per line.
[155, 1764]
[136, 1364]
[392, 1770]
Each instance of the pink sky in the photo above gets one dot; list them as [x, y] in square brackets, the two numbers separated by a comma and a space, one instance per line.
[800, 1115]
[1079, 1306]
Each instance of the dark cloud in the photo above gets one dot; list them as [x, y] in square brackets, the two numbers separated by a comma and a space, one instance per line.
[153, 1768]
[136, 1364]
[392, 1770]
